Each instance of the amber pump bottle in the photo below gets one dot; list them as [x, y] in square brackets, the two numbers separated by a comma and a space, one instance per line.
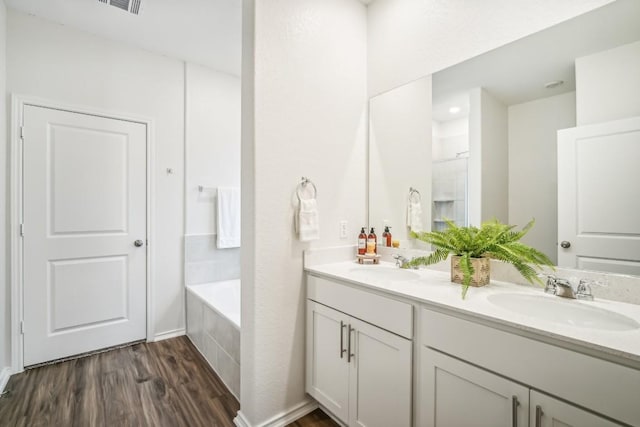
[362, 242]
[372, 238]
[386, 236]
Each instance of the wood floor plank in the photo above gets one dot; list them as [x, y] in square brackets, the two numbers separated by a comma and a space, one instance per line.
[167, 383]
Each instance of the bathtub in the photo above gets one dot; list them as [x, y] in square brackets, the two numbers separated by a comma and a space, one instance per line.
[213, 325]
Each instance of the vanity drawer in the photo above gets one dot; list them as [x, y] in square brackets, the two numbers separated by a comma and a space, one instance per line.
[387, 313]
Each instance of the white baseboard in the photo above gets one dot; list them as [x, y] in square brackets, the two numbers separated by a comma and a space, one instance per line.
[282, 419]
[5, 374]
[169, 334]
[240, 420]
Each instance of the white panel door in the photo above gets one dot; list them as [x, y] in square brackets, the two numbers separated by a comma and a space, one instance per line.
[549, 412]
[380, 378]
[84, 208]
[457, 394]
[599, 197]
[327, 367]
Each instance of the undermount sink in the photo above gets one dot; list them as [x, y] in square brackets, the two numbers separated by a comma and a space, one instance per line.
[564, 311]
[380, 273]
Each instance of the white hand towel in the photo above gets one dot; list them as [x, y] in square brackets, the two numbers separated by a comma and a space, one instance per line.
[414, 216]
[308, 220]
[228, 217]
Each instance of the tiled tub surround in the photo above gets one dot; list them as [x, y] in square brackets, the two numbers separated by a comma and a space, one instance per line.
[213, 325]
[205, 263]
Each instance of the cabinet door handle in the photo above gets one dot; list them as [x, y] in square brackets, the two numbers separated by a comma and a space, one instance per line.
[539, 416]
[342, 350]
[349, 354]
[514, 411]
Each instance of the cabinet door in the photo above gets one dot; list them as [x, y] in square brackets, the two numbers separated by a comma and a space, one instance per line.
[549, 412]
[380, 378]
[327, 367]
[457, 394]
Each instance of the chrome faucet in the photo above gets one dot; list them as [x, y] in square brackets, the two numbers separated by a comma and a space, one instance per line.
[563, 288]
[402, 261]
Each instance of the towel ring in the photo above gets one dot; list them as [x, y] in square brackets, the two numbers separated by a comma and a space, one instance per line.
[303, 184]
[412, 192]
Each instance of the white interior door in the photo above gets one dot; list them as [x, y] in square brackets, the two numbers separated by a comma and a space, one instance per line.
[599, 197]
[84, 208]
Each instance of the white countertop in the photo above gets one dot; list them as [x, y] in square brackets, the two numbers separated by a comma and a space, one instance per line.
[434, 288]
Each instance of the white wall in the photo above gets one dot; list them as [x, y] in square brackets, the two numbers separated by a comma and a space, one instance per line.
[608, 85]
[212, 154]
[212, 142]
[400, 142]
[450, 137]
[59, 63]
[495, 155]
[488, 156]
[412, 38]
[5, 308]
[304, 104]
[533, 169]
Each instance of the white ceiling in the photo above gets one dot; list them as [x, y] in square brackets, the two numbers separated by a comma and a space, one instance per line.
[517, 72]
[207, 32]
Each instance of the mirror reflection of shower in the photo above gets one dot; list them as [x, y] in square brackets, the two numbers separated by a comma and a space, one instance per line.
[450, 153]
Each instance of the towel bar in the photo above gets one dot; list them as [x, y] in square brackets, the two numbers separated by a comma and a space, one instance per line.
[303, 183]
[202, 188]
[412, 192]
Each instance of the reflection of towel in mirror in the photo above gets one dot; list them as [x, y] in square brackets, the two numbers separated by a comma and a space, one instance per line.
[228, 217]
[307, 220]
[414, 216]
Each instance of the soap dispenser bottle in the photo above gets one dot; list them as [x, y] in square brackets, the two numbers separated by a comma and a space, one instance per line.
[362, 242]
[386, 236]
[372, 242]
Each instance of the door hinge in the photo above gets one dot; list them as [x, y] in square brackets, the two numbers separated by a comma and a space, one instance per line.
[22, 327]
[22, 133]
[22, 230]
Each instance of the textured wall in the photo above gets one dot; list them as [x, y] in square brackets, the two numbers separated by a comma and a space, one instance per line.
[305, 116]
[411, 38]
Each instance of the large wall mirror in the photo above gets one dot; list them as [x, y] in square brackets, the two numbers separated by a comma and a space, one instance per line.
[547, 127]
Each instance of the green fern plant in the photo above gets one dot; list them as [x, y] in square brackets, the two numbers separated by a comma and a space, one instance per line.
[492, 240]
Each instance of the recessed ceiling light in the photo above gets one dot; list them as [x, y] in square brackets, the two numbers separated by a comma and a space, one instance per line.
[553, 84]
[454, 110]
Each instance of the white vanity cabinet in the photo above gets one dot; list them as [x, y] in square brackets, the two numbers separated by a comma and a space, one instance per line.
[547, 411]
[476, 375]
[459, 394]
[359, 357]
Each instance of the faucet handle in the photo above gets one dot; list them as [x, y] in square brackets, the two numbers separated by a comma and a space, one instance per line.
[584, 290]
[550, 286]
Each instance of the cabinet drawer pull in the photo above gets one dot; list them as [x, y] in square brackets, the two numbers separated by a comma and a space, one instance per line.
[342, 350]
[539, 416]
[349, 354]
[514, 411]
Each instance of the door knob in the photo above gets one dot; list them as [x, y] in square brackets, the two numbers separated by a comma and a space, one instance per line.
[565, 245]
[138, 243]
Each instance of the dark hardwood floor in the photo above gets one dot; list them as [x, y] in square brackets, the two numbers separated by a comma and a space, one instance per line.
[167, 383]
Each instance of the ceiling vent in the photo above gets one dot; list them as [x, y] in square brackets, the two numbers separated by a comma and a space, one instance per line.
[131, 6]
